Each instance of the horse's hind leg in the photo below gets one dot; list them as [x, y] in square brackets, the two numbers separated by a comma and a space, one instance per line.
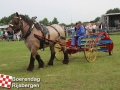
[40, 62]
[65, 61]
[50, 63]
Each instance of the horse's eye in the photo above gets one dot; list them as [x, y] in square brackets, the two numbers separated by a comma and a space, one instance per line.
[16, 22]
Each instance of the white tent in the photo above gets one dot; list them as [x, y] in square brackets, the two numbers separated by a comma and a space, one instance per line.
[5, 26]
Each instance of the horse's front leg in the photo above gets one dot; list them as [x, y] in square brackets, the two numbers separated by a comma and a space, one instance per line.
[50, 63]
[31, 64]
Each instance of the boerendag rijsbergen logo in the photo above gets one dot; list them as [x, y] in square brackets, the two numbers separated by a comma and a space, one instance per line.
[7, 81]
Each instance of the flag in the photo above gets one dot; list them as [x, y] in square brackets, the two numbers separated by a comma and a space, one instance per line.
[5, 80]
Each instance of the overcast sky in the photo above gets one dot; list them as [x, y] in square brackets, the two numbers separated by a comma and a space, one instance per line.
[64, 10]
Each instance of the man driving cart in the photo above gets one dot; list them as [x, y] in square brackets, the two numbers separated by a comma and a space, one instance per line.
[79, 34]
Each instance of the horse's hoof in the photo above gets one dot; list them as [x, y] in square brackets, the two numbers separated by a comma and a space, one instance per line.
[29, 69]
[41, 68]
[65, 62]
[50, 64]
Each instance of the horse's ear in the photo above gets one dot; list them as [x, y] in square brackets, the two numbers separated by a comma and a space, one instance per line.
[17, 14]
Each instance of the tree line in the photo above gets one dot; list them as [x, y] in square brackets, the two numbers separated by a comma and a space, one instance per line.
[45, 21]
[7, 20]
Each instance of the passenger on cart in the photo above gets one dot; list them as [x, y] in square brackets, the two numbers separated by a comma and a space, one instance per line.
[79, 35]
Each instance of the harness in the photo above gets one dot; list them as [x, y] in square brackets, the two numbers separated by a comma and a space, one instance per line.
[42, 40]
[59, 33]
[31, 28]
[43, 30]
[29, 31]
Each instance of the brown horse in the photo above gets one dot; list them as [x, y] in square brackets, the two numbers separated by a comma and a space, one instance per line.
[29, 28]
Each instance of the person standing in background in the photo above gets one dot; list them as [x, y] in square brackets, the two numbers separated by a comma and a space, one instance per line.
[69, 31]
[6, 35]
[73, 31]
[1, 34]
[97, 28]
[94, 28]
[14, 36]
[18, 35]
[101, 27]
[90, 28]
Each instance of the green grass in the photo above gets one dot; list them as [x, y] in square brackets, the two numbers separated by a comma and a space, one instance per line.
[103, 74]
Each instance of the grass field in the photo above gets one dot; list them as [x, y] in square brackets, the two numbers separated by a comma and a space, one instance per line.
[103, 74]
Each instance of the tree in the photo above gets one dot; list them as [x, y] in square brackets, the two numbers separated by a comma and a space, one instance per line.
[115, 10]
[6, 20]
[62, 24]
[97, 19]
[55, 21]
[10, 17]
[50, 23]
[1, 24]
[92, 21]
[44, 21]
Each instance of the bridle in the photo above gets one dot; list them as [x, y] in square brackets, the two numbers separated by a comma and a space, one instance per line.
[21, 26]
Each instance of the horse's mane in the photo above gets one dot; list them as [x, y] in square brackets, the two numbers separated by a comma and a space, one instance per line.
[30, 22]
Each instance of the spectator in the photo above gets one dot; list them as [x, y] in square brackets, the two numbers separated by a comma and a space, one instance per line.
[94, 28]
[73, 31]
[97, 28]
[69, 31]
[18, 35]
[101, 27]
[75, 26]
[6, 35]
[10, 35]
[116, 23]
[89, 28]
[14, 36]
[1, 34]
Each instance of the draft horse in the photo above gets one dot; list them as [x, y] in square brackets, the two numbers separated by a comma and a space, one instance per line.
[29, 28]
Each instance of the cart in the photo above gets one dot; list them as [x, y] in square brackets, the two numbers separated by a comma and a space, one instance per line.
[90, 45]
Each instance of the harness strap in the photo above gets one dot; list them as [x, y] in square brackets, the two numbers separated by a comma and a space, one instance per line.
[59, 33]
[30, 28]
[44, 35]
[29, 31]
[55, 30]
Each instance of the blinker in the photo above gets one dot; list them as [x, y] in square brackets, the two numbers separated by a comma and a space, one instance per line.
[11, 25]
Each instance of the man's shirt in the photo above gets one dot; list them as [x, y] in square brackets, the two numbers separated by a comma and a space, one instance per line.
[80, 31]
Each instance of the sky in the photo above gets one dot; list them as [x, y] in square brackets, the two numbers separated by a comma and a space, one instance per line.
[66, 11]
